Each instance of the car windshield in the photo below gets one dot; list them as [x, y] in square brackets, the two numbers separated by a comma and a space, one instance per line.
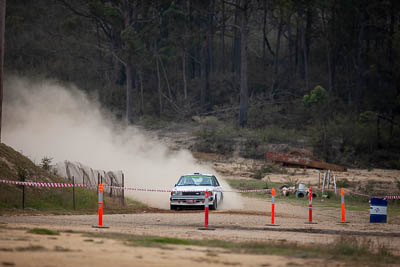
[194, 181]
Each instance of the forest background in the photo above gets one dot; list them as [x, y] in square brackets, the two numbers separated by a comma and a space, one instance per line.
[316, 74]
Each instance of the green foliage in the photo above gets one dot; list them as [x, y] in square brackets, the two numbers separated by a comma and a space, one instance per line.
[46, 163]
[318, 97]
[43, 231]
[170, 240]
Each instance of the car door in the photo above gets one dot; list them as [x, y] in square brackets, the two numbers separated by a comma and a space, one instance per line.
[217, 188]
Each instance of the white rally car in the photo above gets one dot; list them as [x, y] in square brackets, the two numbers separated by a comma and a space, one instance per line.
[190, 191]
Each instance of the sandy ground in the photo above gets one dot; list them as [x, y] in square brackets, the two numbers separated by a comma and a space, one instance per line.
[21, 249]
[73, 247]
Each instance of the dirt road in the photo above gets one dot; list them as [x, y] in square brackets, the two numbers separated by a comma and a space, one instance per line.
[18, 248]
[73, 247]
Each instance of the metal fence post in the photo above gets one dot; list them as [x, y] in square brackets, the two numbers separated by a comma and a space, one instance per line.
[73, 191]
[123, 190]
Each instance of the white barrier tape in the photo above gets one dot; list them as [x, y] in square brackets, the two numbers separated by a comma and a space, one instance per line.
[64, 185]
[41, 184]
[247, 191]
[169, 191]
[392, 197]
[365, 195]
[61, 185]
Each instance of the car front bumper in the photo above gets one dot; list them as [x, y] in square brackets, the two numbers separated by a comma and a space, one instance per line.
[189, 201]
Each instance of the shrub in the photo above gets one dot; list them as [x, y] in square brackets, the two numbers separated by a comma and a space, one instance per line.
[251, 149]
[291, 181]
[343, 183]
[46, 163]
[43, 231]
[261, 171]
[349, 245]
[214, 139]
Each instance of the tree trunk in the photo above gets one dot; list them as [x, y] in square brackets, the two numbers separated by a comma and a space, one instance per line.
[327, 49]
[358, 64]
[264, 34]
[192, 48]
[184, 74]
[328, 60]
[378, 131]
[292, 68]
[166, 78]
[211, 37]
[159, 88]
[2, 29]
[129, 92]
[278, 45]
[141, 93]
[236, 42]
[297, 56]
[223, 39]
[275, 81]
[243, 70]
[205, 75]
[305, 57]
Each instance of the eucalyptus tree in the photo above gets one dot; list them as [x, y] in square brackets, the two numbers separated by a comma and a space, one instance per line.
[244, 9]
[122, 28]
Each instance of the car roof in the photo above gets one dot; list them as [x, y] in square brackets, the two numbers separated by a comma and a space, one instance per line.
[198, 174]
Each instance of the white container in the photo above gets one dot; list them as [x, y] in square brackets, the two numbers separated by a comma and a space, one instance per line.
[302, 187]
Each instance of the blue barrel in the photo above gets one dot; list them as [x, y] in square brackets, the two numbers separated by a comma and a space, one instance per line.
[378, 211]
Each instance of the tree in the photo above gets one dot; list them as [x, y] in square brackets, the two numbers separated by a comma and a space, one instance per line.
[317, 102]
[121, 27]
[2, 28]
[244, 9]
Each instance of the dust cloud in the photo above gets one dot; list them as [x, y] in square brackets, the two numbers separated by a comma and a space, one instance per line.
[46, 118]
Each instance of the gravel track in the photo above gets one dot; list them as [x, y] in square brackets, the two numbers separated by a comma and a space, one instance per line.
[231, 225]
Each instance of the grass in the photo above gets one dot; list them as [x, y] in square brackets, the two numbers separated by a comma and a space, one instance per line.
[349, 249]
[352, 250]
[251, 184]
[15, 166]
[169, 240]
[42, 199]
[353, 202]
[43, 231]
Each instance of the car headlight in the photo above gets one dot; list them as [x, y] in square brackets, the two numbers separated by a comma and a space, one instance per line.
[177, 193]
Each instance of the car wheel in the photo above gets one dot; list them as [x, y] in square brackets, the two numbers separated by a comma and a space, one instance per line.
[214, 205]
[173, 207]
